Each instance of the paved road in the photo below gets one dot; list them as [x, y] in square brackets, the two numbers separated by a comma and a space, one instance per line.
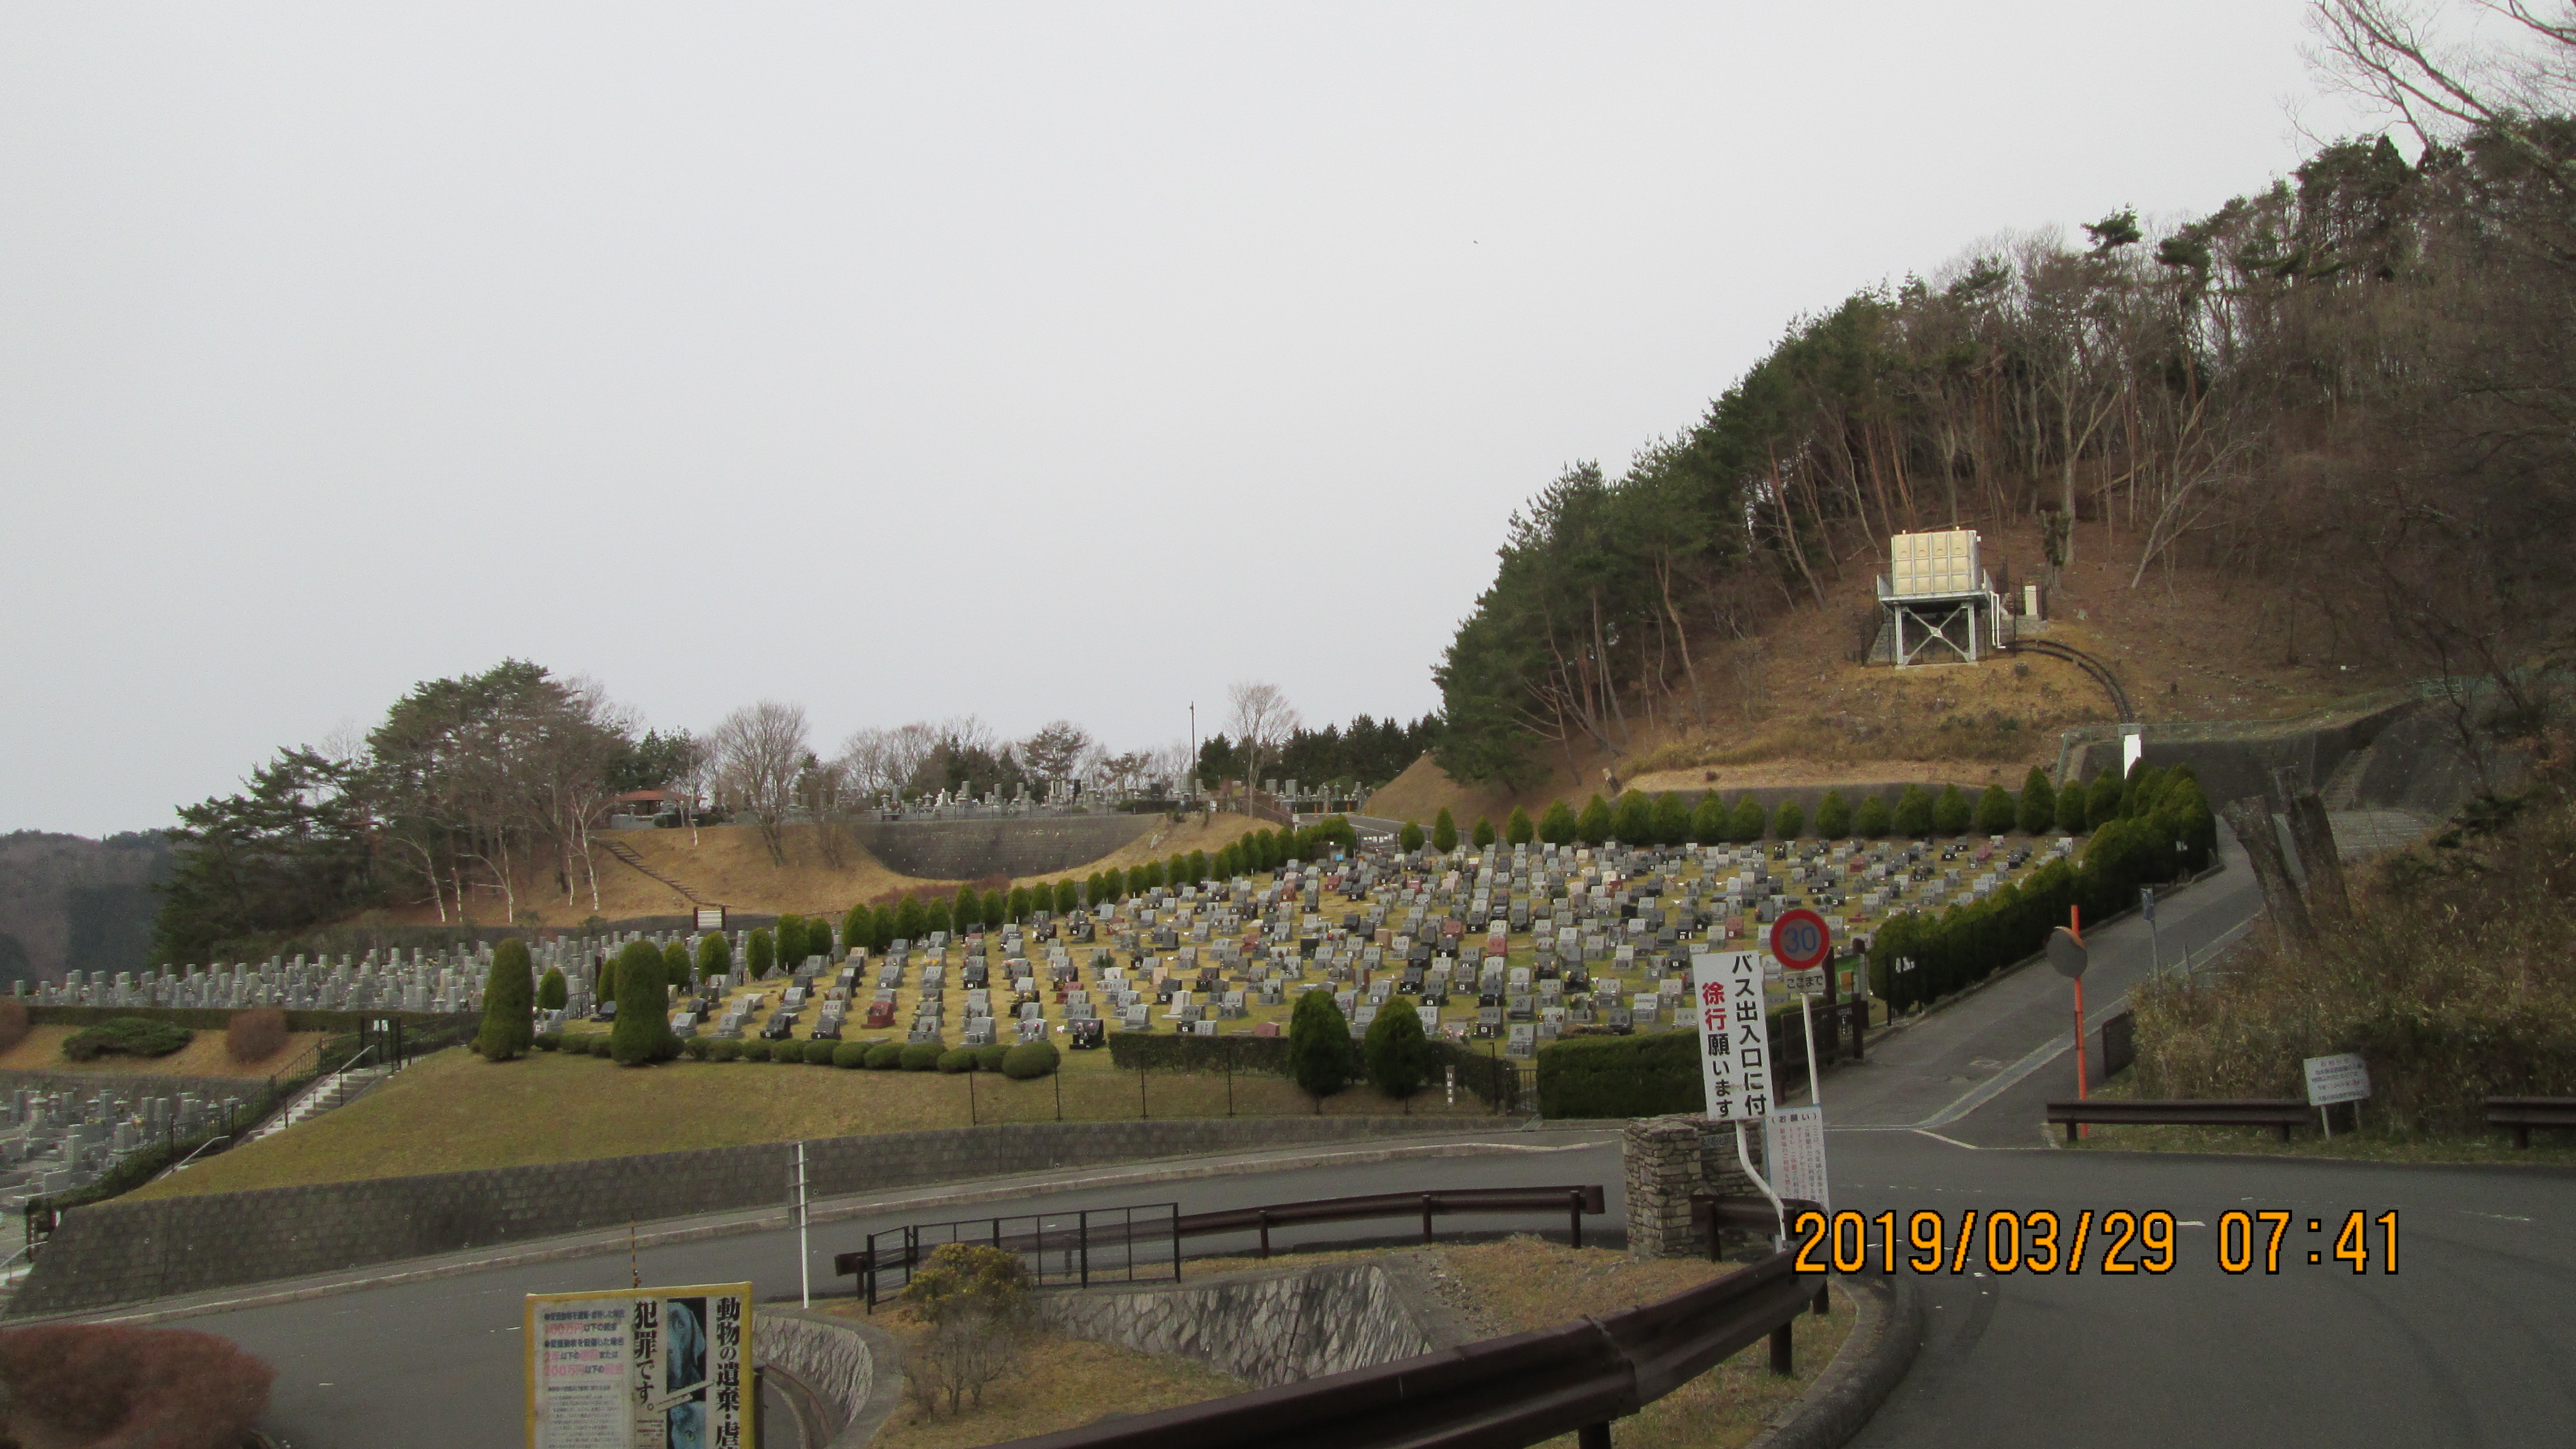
[2468, 1344]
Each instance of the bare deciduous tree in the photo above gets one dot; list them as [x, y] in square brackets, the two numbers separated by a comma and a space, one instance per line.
[1261, 719]
[760, 755]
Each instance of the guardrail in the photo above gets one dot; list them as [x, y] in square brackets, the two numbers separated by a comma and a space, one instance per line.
[2524, 1113]
[1076, 1236]
[2282, 1112]
[1502, 1393]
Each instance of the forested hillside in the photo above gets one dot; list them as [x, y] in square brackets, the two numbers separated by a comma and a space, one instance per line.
[2343, 401]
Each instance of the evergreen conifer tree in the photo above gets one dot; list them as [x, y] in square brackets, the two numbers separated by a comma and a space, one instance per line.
[1951, 813]
[1913, 813]
[1710, 820]
[1557, 825]
[1672, 819]
[1995, 811]
[1593, 826]
[509, 995]
[677, 968]
[2038, 812]
[1397, 1053]
[1873, 821]
[715, 956]
[1444, 832]
[552, 992]
[1751, 821]
[1789, 821]
[1482, 837]
[759, 954]
[1321, 1055]
[1409, 839]
[643, 1018]
[1517, 829]
[1833, 816]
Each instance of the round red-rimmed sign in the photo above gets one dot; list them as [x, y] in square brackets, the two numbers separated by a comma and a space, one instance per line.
[1801, 940]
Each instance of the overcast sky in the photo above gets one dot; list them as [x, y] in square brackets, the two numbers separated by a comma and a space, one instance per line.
[1054, 360]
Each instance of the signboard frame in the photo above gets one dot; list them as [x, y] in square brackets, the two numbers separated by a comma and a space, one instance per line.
[1793, 1154]
[1734, 1034]
[702, 1332]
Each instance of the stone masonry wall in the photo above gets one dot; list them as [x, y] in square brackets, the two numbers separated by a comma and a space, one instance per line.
[1670, 1158]
[1264, 1328]
[971, 849]
[126, 1251]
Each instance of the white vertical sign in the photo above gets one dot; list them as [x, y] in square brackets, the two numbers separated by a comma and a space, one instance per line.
[1793, 1154]
[1735, 1039]
[646, 1368]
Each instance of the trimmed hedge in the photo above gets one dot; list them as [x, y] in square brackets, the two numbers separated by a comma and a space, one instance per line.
[989, 1059]
[923, 1056]
[819, 1053]
[755, 1050]
[1488, 1078]
[126, 1036]
[849, 1055]
[960, 1060]
[1029, 1060]
[1621, 1076]
[726, 1051]
[885, 1056]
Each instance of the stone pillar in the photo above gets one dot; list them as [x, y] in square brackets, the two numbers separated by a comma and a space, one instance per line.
[1663, 1165]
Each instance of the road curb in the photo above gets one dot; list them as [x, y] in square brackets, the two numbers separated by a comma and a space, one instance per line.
[1867, 1369]
[837, 1210]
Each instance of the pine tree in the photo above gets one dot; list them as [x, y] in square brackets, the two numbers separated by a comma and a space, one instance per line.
[1557, 826]
[1320, 1052]
[1751, 821]
[1444, 832]
[1875, 820]
[1672, 819]
[643, 1019]
[1995, 811]
[509, 994]
[1833, 816]
[1789, 821]
[1951, 813]
[1593, 826]
[2038, 811]
[1517, 829]
[1397, 1053]
[1914, 812]
[1482, 837]
[1710, 820]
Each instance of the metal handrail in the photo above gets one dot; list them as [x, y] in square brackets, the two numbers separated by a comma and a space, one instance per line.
[1501, 1393]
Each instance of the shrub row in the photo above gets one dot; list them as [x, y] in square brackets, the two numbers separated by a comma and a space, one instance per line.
[1675, 818]
[1020, 1062]
[1486, 1077]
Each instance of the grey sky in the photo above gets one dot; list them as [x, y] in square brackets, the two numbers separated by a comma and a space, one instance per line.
[1064, 360]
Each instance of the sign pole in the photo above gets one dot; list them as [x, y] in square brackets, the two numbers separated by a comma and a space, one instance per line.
[1807, 1023]
[1779, 1214]
[804, 1254]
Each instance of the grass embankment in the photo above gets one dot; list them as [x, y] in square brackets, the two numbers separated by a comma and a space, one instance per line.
[2454, 979]
[204, 1056]
[1512, 1286]
[455, 1112]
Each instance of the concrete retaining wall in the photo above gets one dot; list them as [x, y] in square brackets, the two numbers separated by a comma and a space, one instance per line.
[1265, 1328]
[126, 1251]
[972, 849]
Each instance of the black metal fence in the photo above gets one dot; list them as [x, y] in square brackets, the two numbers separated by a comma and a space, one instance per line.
[1067, 1250]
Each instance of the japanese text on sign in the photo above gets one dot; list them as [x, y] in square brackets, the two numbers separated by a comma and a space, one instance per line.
[1735, 1040]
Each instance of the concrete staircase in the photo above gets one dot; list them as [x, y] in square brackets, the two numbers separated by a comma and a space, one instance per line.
[624, 853]
[335, 1090]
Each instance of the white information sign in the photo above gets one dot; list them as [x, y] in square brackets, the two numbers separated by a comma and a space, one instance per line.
[1804, 983]
[2337, 1079]
[1735, 1040]
[643, 1368]
[1793, 1154]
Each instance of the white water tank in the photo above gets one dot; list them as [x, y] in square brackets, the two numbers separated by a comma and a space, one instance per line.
[1943, 562]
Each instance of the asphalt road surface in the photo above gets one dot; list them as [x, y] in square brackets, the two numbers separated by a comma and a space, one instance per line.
[2469, 1342]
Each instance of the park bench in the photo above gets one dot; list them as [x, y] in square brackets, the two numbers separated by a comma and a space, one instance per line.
[2282, 1112]
[2524, 1113]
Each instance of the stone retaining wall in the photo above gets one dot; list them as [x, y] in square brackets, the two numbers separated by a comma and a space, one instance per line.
[126, 1251]
[1265, 1328]
[973, 849]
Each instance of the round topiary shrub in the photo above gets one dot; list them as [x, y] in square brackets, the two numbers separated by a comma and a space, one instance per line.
[819, 1053]
[697, 1047]
[885, 1056]
[849, 1055]
[1028, 1060]
[755, 1050]
[725, 1051]
[549, 1041]
[989, 1059]
[922, 1056]
[960, 1060]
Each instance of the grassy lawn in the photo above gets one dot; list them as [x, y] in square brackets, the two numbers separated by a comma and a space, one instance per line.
[453, 1111]
[1512, 1286]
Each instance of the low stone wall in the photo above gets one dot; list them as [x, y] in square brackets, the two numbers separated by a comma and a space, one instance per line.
[1266, 1328]
[972, 849]
[854, 1369]
[1670, 1158]
[125, 1251]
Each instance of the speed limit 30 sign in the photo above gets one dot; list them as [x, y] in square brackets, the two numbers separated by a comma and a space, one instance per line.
[1803, 944]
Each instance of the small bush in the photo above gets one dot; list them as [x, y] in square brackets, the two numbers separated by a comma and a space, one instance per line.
[885, 1056]
[755, 1050]
[1029, 1060]
[960, 1060]
[923, 1056]
[989, 1059]
[849, 1055]
[127, 1036]
[548, 1041]
[725, 1051]
[255, 1035]
[697, 1047]
[167, 1388]
[819, 1053]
